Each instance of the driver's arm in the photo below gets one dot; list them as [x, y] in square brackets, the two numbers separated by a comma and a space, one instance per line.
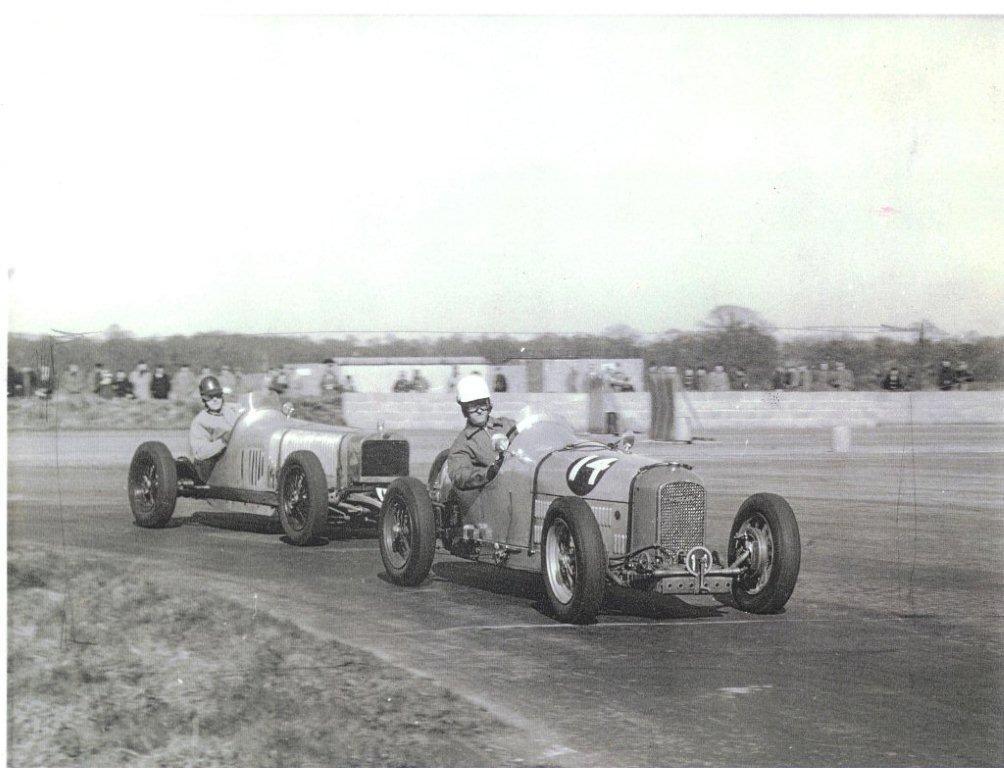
[466, 472]
[201, 442]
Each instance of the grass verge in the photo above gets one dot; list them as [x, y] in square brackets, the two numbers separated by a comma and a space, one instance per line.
[107, 667]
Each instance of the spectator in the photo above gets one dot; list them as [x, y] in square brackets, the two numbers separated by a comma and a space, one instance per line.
[183, 383]
[701, 379]
[893, 380]
[779, 379]
[843, 379]
[501, 384]
[418, 382]
[740, 379]
[791, 377]
[401, 385]
[350, 385]
[718, 380]
[804, 378]
[97, 377]
[160, 384]
[278, 382]
[608, 401]
[73, 380]
[946, 376]
[821, 378]
[688, 378]
[228, 381]
[572, 380]
[329, 380]
[140, 380]
[106, 385]
[454, 377]
[963, 376]
[123, 387]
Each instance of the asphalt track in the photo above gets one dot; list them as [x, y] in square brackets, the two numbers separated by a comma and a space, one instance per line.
[889, 653]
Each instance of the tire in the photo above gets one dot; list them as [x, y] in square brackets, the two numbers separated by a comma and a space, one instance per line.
[152, 485]
[407, 530]
[767, 522]
[573, 561]
[303, 497]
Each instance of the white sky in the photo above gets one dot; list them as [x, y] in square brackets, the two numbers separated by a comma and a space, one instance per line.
[182, 173]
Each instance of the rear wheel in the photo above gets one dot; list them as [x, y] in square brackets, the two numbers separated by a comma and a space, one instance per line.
[303, 497]
[765, 535]
[574, 561]
[407, 532]
[152, 485]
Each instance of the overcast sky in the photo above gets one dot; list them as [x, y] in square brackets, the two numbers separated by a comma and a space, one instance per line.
[264, 173]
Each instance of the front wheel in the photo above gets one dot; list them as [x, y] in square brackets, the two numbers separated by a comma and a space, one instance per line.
[574, 561]
[303, 497]
[407, 529]
[153, 485]
[765, 537]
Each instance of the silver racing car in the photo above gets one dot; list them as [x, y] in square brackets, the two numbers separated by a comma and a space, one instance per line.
[311, 475]
[585, 514]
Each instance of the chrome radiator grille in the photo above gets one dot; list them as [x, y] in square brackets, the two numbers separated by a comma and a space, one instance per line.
[681, 516]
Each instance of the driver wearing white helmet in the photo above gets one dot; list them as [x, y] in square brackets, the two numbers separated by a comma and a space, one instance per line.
[474, 459]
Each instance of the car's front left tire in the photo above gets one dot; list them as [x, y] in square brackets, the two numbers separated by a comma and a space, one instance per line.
[303, 497]
[152, 485]
[574, 561]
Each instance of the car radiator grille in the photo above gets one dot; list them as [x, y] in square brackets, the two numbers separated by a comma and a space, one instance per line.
[681, 516]
[385, 458]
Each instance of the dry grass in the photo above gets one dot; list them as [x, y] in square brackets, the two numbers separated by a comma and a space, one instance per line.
[107, 668]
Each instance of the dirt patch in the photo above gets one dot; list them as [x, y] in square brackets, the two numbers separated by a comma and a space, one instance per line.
[106, 667]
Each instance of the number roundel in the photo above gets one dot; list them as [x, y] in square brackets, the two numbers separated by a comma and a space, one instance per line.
[583, 474]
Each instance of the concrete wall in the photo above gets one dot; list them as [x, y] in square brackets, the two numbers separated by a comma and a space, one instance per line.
[710, 410]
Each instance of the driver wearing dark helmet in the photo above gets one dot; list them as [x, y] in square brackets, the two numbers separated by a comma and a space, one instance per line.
[210, 430]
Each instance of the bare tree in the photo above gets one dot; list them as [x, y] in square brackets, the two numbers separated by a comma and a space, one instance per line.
[730, 315]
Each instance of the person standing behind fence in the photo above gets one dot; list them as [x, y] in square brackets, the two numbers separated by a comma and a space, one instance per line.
[718, 380]
[963, 376]
[73, 381]
[946, 377]
[843, 379]
[183, 384]
[140, 380]
[228, 381]
[160, 384]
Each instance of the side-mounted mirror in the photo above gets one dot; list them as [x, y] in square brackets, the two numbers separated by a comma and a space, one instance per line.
[288, 409]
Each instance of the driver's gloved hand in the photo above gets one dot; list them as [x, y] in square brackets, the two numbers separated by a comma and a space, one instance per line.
[494, 468]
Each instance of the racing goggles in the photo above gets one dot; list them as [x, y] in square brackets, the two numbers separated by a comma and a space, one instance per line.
[478, 406]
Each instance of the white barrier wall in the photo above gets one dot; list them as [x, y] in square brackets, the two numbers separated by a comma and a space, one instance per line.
[710, 410]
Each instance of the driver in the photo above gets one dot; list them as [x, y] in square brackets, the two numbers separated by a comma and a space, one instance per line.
[474, 458]
[210, 430]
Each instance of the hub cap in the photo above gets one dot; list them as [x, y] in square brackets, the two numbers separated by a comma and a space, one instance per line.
[397, 533]
[146, 485]
[296, 498]
[755, 537]
[559, 559]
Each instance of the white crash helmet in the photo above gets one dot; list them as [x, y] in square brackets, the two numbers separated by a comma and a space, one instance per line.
[472, 388]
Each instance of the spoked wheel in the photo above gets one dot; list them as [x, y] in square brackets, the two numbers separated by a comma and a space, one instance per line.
[153, 485]
[303, 497]
[574, 561]
[407, 532]
[766, 543]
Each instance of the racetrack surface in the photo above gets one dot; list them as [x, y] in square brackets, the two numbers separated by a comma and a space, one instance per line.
[889, 652]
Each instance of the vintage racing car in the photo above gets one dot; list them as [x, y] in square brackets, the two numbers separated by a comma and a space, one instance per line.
[586, 513]
[309, 474]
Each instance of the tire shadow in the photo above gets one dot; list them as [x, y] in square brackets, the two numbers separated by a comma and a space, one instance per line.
[235, 521]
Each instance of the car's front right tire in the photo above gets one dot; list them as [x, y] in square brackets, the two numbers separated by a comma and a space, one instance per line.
[407, 529]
